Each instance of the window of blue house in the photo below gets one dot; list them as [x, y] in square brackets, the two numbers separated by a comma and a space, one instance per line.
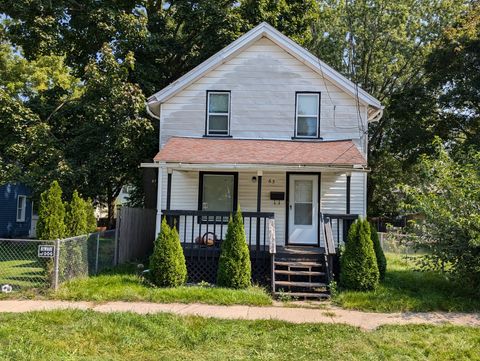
[21, 208]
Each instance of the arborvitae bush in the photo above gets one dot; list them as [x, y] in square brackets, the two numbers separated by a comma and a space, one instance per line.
[51, 214]
[167, 263]
[90, 212]
[359, 269]
[76, 216]
[381, 260]
[234, 266]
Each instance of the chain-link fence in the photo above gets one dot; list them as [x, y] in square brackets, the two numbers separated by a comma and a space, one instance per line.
[36, 264]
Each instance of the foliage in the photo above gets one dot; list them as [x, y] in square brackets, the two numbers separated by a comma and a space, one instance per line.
[359, 270]
[167, 263]
[90, 212]
[234, 266]
[408, 289]
[448, 196]
[51, 214]
[379, 255]
[76, 216]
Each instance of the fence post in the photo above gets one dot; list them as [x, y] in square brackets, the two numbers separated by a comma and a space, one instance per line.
[98, 249]
[117, 228]
[56, 262]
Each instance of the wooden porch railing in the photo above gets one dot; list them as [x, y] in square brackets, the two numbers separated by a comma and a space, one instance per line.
[338, 224]
[207, 229]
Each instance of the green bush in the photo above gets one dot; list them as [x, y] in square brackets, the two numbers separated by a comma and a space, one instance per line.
[76, 216]
[51, 214]
[377, 247]
[167, 263]
[234, 266]
[359, 269]
[91, 220]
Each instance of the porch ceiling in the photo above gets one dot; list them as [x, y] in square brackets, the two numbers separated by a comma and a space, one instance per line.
[271, 152]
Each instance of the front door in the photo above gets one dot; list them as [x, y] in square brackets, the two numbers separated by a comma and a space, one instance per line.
[303, 210]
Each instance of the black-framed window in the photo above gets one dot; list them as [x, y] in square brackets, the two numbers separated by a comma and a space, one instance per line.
[307, 115]
[218, 191]
[218, 113]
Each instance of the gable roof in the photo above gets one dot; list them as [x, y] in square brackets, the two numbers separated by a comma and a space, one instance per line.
[268, 31]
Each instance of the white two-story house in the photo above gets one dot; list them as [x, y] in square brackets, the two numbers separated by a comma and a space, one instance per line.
[266, 126]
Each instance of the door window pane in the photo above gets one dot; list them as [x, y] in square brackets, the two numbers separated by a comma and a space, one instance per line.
[303, 214]
[218, 192]
[303, 199]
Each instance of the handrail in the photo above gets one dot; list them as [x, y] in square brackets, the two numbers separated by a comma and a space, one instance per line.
[216, 213]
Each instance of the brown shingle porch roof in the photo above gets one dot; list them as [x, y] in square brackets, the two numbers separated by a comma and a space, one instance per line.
[243, 151]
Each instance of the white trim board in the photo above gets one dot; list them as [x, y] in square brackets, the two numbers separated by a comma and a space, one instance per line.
[264, 30]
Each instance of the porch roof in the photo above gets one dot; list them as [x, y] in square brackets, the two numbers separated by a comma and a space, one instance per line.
[247, 151]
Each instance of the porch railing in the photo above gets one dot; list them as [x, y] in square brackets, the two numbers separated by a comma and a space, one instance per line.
[339, 225]
[207, 229]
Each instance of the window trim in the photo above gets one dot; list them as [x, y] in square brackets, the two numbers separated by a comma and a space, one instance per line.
[200, 192]
[317, 136]
[24, 208]
[207, 113]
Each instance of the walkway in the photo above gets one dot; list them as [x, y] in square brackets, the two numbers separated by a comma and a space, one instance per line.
[364, 320]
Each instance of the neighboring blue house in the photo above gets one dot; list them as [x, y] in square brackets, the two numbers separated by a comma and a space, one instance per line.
[15, 211]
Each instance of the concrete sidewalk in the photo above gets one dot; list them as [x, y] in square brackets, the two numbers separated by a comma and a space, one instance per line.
[364, 320]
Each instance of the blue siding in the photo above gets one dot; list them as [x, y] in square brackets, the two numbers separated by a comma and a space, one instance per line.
[9, 227]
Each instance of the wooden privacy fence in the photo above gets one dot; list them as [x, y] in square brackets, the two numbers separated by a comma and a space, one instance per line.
[135, 233]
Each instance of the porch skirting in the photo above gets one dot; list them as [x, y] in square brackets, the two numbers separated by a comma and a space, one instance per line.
[202, 264]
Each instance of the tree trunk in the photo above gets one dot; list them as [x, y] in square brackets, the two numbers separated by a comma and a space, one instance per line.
[111, 211]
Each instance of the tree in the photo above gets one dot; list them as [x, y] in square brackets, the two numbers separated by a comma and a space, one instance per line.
[379, 255]
[90, 212]
[234, 266]
[358, 264]
[448, 195]
[51, 214]
[76, 216]
[167, 263]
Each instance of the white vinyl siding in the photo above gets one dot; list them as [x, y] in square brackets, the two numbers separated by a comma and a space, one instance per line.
[263, 81]
[21, 208]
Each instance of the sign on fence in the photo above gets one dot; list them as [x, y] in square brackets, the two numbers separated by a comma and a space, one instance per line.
[46, 251]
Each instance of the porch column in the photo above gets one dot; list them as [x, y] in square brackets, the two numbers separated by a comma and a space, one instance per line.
[158, 221]
[169, 187]
[259, 205]
[349, 180]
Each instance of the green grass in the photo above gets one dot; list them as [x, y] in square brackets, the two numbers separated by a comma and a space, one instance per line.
[20, 267]
[86, 335]
[405, 289]
[123, 285]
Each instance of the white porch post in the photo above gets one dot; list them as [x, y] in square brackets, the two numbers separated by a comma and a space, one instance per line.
[158, 221]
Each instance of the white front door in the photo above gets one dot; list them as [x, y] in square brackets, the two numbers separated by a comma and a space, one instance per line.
[303, 210]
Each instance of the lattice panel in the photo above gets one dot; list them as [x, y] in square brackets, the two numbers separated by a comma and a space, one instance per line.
[205, 269]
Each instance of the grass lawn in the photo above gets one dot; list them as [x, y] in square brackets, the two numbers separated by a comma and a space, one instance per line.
[82, 335]
[20, 267]
[124, 285]
[405, 289]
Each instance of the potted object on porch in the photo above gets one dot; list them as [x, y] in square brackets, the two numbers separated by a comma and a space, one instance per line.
[167, 263]
[234, 266]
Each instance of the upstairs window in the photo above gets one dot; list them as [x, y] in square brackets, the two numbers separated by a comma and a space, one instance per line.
[307, 117]
[218, 113]
[21, 208]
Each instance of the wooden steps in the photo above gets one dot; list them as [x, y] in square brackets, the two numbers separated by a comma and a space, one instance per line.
[300, 275]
